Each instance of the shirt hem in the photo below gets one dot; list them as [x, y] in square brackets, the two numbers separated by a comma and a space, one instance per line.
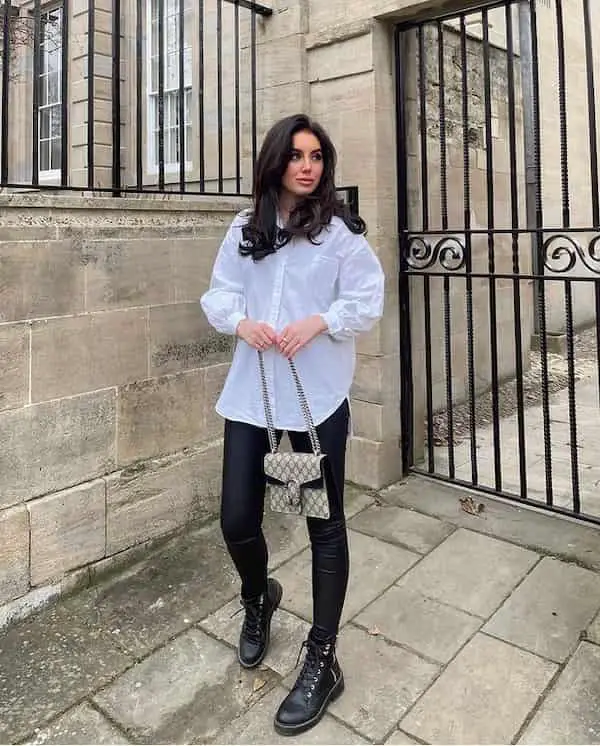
[278, 426]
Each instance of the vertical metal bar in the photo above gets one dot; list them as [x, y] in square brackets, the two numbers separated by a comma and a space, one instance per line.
[161, 95]
[220, 94]
[539, 250]
[201, 139]
[37, 65]
[428, 374]
[406, 382]
[449, 387]
[593, 131]
[423, 129]
[572, 400]
[181, 100]
[468, 250]
[528, 63]
[491, 221]
[597, 299]
[5, 84]
[236, 52]
[90, 91]
[562, 101]
[442, 113]
[514, 203]
[141, 98]
[116, 96]
[253, 89]
[64, 96]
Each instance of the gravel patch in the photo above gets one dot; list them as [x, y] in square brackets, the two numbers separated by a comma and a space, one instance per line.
[586, 368]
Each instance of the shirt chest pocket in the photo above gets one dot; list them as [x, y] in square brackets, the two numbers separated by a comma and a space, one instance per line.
[319, 278]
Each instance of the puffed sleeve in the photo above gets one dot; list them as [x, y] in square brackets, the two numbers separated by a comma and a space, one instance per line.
[224, 303]
[359, 304]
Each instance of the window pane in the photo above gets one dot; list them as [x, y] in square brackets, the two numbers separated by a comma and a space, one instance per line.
[56, 154]
[44, 123]
[43, 89]
[55, 124]
[53, 88]
[44, 155]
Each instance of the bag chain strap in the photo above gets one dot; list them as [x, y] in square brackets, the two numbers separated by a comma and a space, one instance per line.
[312, 431]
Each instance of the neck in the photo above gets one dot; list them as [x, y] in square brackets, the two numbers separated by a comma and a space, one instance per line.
[287, 202]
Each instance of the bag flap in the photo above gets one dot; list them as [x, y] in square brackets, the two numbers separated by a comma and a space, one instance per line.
[306, 469]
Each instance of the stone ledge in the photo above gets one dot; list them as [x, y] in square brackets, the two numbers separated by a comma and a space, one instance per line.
[339, 32]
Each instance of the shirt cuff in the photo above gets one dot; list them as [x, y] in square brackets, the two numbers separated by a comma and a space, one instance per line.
[235, 319]
[334, 325]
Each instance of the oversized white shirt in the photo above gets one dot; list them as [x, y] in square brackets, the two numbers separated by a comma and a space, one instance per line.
[340, 278]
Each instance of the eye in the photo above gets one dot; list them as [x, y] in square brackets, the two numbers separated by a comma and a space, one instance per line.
[318, 156]
[295, 155]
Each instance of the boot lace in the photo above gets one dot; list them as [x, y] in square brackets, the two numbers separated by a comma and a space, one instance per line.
[252, 627]
[313, 667]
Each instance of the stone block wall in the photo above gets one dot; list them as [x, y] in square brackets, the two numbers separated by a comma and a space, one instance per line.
[108, 378]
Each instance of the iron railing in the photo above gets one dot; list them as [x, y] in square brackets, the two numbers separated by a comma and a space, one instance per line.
[166, 92]
[500, 251]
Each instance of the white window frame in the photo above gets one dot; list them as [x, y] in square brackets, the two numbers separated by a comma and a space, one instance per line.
[52, 174]
[170, 167]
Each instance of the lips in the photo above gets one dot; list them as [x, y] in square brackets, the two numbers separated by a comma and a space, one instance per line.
[306, 182]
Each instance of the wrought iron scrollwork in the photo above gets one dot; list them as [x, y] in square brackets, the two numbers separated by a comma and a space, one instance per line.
[423, 253]
[562, 252]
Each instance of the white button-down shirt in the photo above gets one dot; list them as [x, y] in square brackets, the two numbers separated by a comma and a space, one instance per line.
[340, 278]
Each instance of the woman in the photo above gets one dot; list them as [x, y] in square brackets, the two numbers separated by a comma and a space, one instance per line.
[294, 278]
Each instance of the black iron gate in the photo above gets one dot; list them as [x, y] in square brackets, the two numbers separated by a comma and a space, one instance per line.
[500, 250]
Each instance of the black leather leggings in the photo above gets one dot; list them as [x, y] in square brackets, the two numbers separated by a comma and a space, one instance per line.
[242, 506]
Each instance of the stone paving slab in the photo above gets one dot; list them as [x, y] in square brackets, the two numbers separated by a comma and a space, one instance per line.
[422, 624]
[382, 682]
[177, 585]
[50, 662]
[571, 712]
[374, 565]
[483, 696]
[470, 572]
[286, 535]
[184, 692]
[593, 631]
[83, 724]
[415, 531]
[288, 632]
[256, 727]
[398, 738]
[548, 612]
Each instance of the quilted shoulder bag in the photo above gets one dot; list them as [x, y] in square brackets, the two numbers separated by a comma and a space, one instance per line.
[295, 481]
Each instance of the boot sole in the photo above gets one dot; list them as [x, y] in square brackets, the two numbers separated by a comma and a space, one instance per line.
[294, 730]
[256, 663]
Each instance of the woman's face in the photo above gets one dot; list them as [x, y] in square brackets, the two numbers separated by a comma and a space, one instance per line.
[305, 167]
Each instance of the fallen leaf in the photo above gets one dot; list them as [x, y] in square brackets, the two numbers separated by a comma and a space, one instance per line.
[374, 631]
[469, 505]
[258, 684]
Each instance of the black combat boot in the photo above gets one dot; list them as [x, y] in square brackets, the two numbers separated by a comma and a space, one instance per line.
[254, 637]
[320, 682]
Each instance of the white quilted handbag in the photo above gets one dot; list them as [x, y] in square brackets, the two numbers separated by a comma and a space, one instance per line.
[295, 481]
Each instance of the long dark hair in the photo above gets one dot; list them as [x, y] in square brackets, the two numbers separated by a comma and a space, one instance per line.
[261, 235]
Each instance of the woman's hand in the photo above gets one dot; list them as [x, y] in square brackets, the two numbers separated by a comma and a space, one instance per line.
[257, 334]
[297, 335]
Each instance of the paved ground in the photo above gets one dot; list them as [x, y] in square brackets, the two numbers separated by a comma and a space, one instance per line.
[457, 629]
[588, 437]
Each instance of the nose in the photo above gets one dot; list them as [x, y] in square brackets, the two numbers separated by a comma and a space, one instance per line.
[306, 164]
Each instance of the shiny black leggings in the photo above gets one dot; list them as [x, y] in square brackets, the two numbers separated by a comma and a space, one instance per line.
[242, 507]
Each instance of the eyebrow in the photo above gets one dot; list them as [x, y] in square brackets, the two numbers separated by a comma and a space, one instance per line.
[317, 150]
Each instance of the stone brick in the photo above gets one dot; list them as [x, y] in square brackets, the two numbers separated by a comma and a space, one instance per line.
[82, 723]
[51, 446]
[181, 339]
[84, 353]
[67, 531]
[161, 497]
[40, 278]
[348, 57]
[161, 416]
[14, 553]
[213, 385]
[14, 365]
[281, 61]
[373, 463]
[149, 271]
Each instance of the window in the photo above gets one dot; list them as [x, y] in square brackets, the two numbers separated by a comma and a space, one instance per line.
[171, 55]
[49, 81]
